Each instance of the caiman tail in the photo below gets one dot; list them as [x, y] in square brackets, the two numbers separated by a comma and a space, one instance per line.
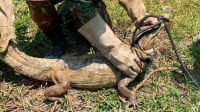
[29, 66]
[88, 71]
[36, 68]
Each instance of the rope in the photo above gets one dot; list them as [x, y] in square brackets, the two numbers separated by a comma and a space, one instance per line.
[138, 34]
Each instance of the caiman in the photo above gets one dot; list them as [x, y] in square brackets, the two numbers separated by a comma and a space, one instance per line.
[89, 71]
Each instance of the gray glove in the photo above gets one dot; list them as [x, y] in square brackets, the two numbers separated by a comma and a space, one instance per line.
[127, 59]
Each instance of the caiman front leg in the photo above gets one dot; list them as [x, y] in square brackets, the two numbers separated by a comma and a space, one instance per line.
[125, 92]
[61, 86]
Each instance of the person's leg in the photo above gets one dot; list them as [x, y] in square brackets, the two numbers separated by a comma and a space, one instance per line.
[85, 11]
[70, 22]
[45, 16]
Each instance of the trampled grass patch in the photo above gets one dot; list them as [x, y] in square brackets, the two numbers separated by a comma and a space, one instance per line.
[165, 91]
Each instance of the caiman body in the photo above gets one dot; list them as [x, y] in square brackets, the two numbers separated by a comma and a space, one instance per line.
[89, 71]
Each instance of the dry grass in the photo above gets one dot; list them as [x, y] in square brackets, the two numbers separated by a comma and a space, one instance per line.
[166, 91]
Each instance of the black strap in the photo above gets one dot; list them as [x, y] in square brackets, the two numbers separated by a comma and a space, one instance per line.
[138, 34]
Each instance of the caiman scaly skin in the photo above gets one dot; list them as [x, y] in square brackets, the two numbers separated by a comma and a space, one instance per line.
[90, 71]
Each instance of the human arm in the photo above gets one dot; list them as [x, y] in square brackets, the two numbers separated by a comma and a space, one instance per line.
[136, 10]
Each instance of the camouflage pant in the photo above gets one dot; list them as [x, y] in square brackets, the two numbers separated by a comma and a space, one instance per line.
[83, 10]
[75, 13]
[70, 15]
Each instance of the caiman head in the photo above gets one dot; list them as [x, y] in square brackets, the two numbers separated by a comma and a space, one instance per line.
[147, 43]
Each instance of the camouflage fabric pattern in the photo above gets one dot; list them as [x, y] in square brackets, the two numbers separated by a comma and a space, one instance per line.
[70, 16]
[69, 25]
[75, 13]
[82, 10]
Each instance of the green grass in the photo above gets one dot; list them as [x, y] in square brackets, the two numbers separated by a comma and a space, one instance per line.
[166, 91]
